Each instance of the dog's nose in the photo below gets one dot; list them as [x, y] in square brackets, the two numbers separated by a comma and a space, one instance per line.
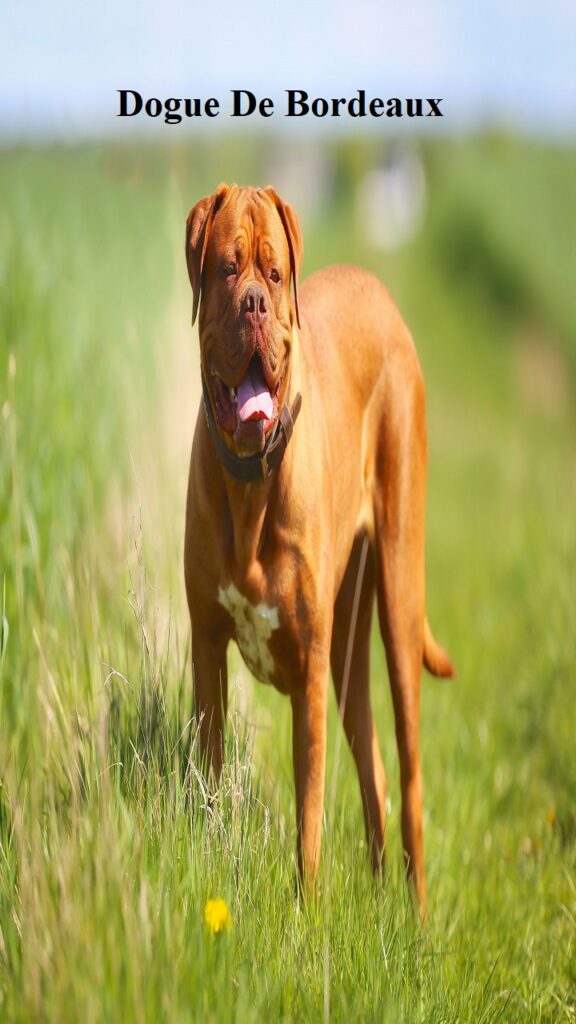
[254, 303]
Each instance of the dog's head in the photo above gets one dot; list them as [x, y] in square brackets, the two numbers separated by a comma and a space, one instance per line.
[243, 248]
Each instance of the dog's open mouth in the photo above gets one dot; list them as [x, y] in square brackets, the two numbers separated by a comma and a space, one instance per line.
[250, 409]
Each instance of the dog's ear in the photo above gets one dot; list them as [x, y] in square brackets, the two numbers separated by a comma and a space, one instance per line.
[198, 225]
[294, 235]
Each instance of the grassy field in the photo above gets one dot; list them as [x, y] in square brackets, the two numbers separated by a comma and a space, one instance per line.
[108, 846]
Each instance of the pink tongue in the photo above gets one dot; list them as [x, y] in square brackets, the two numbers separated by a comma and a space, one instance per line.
[254, 398]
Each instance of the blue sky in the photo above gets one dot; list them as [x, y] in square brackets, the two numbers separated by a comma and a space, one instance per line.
[62, 62]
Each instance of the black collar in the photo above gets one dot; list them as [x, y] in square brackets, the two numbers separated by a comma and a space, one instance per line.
[261, 465]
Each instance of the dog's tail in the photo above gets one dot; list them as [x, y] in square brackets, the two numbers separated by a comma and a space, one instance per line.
[436, 660]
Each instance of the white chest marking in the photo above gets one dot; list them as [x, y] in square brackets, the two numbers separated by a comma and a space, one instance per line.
[253, 625]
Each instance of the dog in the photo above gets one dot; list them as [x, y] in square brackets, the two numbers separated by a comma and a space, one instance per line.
[306, 498]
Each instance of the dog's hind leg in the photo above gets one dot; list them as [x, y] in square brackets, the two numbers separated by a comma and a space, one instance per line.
[399, 513]
[350, 660]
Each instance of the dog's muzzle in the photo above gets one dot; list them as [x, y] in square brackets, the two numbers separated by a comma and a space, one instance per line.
[261, 465]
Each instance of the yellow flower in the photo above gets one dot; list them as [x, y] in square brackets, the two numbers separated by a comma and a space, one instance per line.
[217, 916]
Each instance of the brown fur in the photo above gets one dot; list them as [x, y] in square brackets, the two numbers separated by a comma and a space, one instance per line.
[355, 468]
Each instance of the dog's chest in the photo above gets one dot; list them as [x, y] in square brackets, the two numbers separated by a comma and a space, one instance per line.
[253, 627]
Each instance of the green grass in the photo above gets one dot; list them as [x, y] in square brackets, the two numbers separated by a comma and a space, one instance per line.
[109, 846]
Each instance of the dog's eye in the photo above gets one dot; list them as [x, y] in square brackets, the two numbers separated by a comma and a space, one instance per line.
[229, 270]
[275, 276]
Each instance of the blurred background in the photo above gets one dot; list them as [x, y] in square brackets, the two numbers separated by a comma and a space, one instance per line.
[470, 220]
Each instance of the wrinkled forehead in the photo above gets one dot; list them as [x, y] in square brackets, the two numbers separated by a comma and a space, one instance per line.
[248, 222]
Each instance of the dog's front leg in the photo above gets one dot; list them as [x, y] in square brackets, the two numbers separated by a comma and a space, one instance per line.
[210, 687]
[309, 709]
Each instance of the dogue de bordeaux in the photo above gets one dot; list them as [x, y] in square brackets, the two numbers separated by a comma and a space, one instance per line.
[306, 497]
